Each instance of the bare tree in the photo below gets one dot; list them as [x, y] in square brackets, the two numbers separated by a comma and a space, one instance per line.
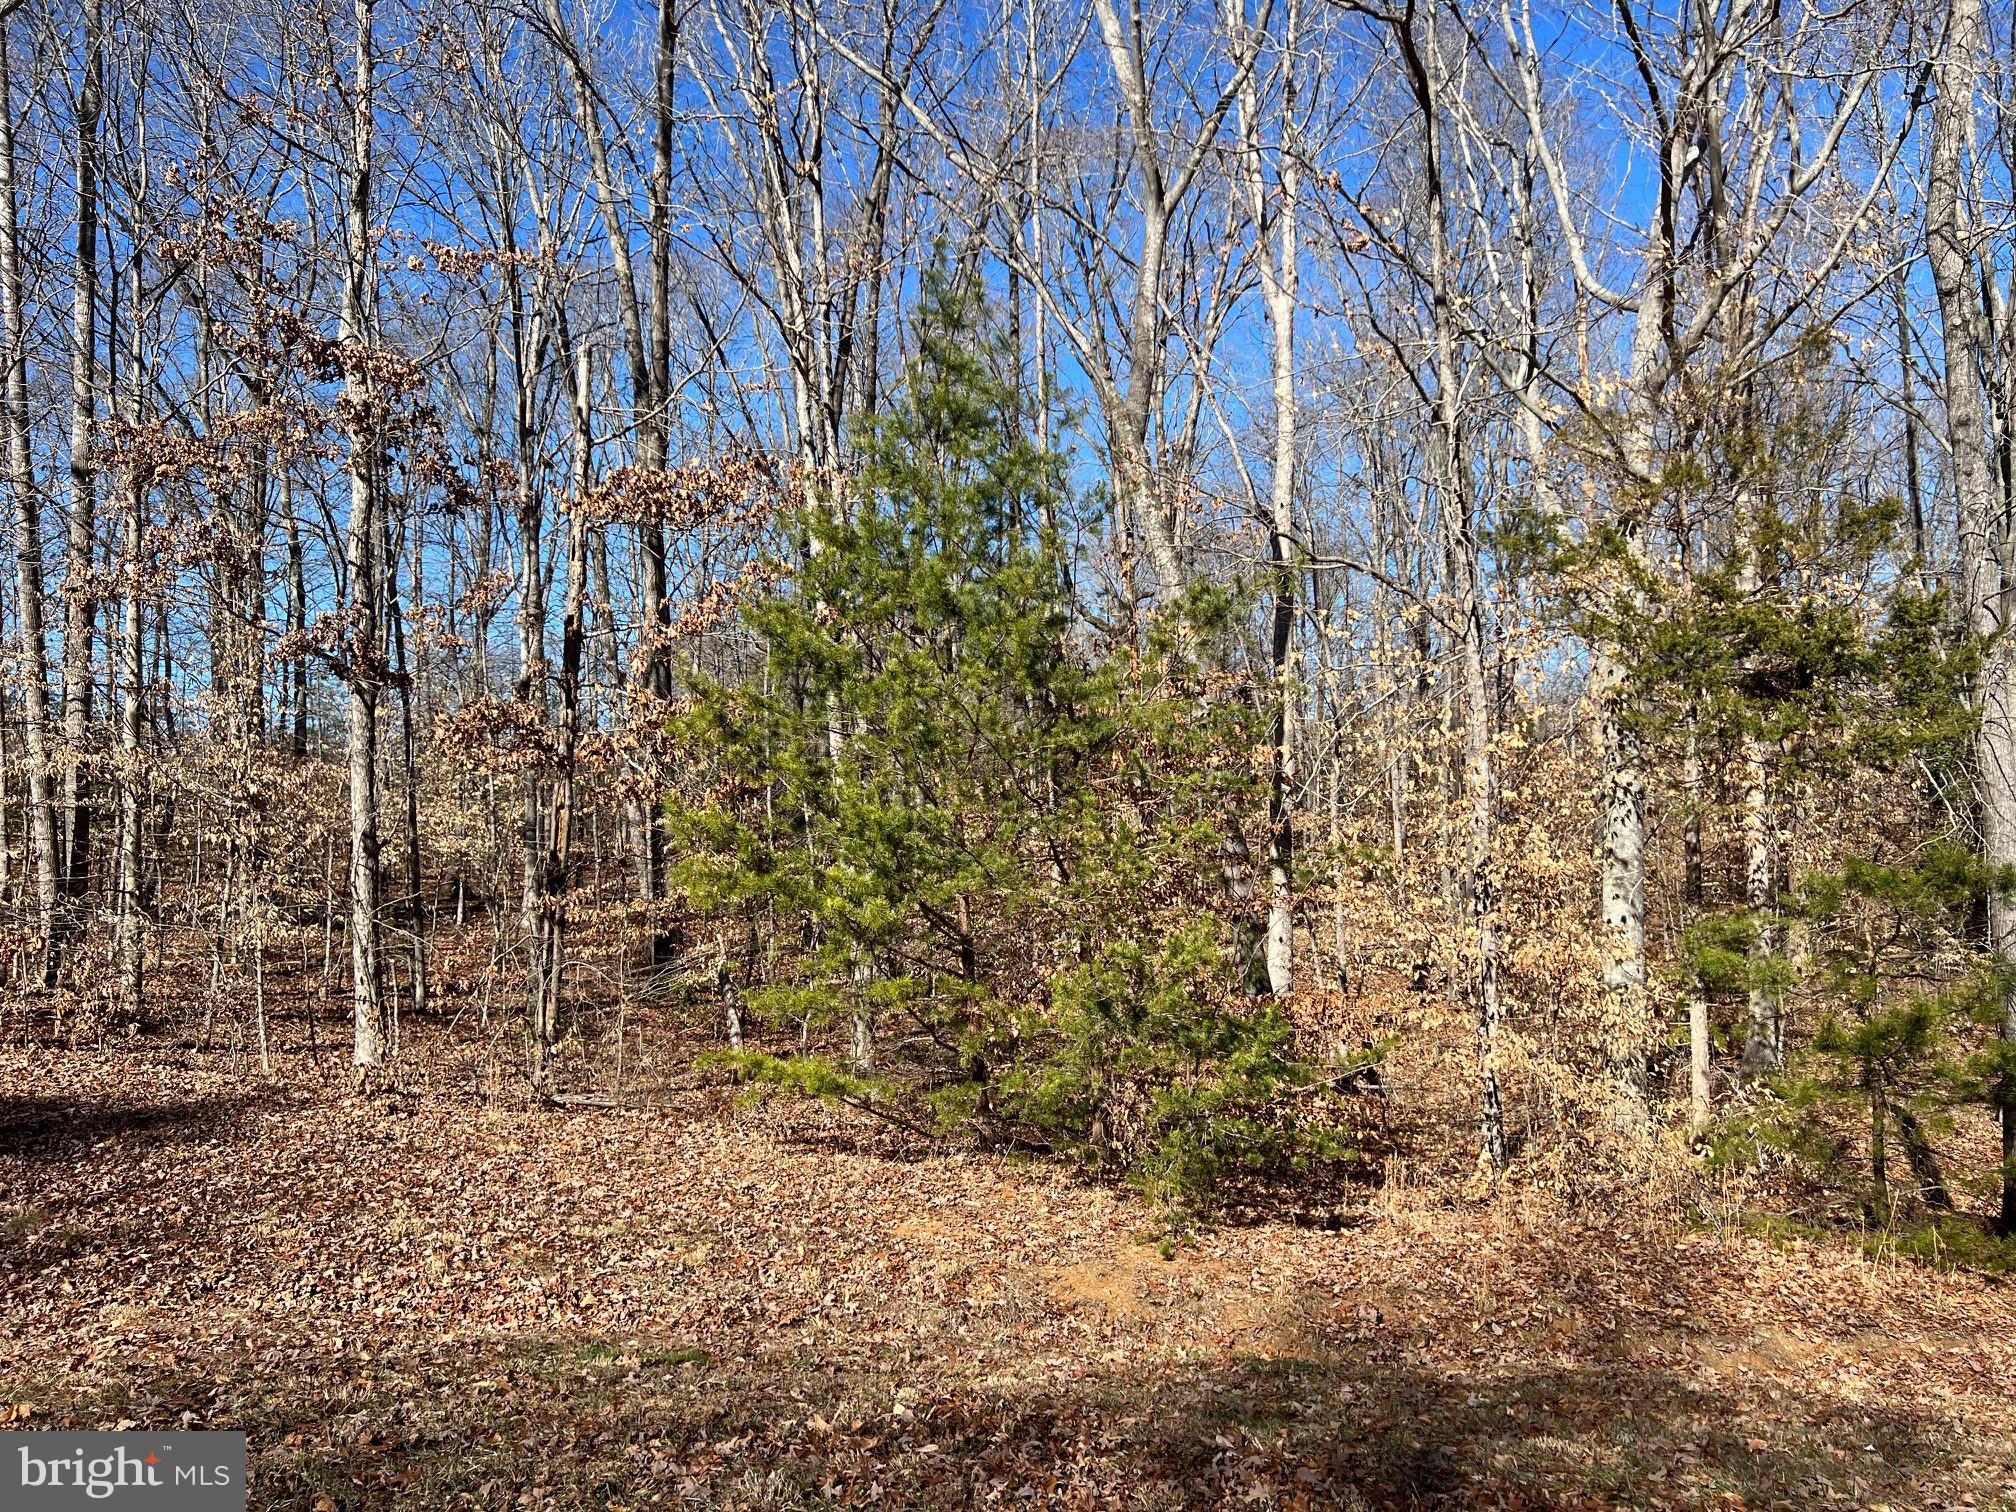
[1987, 572]
[364, 635]
[79, 680]
[1272, 207]
[1741, 161]
[40, 822]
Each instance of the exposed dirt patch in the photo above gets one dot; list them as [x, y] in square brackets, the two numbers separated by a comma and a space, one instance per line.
[1127, 1283]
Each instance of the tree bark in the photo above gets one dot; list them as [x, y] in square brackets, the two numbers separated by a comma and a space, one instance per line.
[297, 617]
[39, 820]
[555, 871]
[1449, 473]
[531, 689]
[1764, 1041]
[130, 923]
[1984, 533]
[80, 606]
[365, 658]
[647, 345]
[1279, 272]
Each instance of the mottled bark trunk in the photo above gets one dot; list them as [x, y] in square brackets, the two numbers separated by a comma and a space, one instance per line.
[531, 693]
[1280, 270]
[1764, 1039]
[1700, 1107]
[556, 860]
[129, 937]
[1623, 882]
[1235, 870]
[1479, 782]
[364, 643]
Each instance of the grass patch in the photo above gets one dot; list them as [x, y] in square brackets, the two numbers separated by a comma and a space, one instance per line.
[26, 1222]
[1949, 1243]
[1944, 1241]
[659, 1359]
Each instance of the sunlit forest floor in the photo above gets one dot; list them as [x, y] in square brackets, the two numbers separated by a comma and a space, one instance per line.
[442, 1297]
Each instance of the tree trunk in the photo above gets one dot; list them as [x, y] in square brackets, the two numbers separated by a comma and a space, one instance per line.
[79, 602]
[1279, 272]
[129, 936]
[297, 617]
[647, 346]
[39, 820]
[531, 689]
[1449, 472]
[557, 863]
[1984, 537]
[409, 760]
[365, 649]
[1764, 1041]
[130, 924]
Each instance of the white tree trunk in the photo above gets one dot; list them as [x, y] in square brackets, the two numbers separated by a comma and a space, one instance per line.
[39, 820]
[1272, 209]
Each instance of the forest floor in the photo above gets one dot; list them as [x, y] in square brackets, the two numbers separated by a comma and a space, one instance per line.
[432, 1299]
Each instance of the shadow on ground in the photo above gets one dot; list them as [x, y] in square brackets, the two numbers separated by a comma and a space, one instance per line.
[1374, 1398]
[623, 1424]
[54, 1129]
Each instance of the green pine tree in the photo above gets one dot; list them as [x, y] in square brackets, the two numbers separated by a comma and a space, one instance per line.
[995, 843]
